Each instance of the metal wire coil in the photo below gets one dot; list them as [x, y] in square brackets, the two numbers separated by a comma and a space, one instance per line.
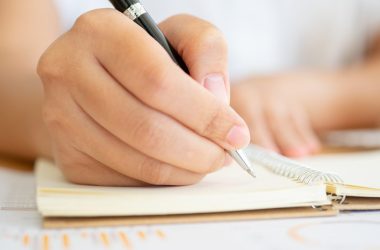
[286, 167]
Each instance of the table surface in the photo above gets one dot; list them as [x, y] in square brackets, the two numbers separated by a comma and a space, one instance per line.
[20, 228]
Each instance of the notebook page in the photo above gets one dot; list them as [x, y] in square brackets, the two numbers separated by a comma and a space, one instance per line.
[356, 169]
[229, 189]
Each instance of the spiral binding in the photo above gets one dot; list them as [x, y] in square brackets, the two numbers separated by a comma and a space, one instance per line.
[286, 167]
[340, 199]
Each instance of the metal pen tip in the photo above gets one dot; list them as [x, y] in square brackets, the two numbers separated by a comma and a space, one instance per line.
[243, 161]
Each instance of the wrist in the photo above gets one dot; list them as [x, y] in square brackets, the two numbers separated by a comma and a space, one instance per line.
[357, 95]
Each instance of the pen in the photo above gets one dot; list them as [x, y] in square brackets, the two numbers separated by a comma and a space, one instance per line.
[135, 11]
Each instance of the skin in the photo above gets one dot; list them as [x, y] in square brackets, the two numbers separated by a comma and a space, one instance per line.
[119, 112]
[110, 112]
[23, 40]
[287, 112]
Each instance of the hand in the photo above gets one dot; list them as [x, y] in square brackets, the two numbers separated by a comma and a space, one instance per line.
[278, 110]
[120, 112]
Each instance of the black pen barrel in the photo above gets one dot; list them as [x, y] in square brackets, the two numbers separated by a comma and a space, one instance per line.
[123, 5]
[147, 23]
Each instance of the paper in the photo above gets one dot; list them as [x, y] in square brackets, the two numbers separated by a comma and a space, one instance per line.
[21, 230]
[230, 189]
[361, 169]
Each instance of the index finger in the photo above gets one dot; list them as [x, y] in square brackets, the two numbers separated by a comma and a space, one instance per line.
[143, 67]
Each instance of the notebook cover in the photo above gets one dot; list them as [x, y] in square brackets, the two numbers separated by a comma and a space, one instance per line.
[358, 203]
[51, 222]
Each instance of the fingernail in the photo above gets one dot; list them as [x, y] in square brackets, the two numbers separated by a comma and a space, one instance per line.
[216, 85]
[238, 136]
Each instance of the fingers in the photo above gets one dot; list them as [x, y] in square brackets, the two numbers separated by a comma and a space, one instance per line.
[203, 48]
[276, 122]
[144, 129]
[87, 171]
[94, 156]
[291, 131]
[303, 125]
[250, 106]
[119, 102]
[261, 132]
[158, 82]
[77, 166]
[129, 162]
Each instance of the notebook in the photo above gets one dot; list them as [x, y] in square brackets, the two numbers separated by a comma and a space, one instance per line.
[280, 183]
[230, 189]
[359, 172]
[355, 174]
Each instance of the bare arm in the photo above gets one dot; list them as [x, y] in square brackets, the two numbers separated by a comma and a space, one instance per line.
[286, 111]
[26, 30]
[354, 99]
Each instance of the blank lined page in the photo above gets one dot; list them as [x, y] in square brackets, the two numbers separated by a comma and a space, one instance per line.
[356, 169]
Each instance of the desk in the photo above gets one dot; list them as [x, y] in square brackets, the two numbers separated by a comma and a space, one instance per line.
[21, 229]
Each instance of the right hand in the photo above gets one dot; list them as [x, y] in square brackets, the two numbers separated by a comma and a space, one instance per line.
[120, 112]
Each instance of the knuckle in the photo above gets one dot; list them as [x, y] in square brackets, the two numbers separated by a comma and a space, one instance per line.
[48, 69]
[154, 172]
[89, 21]
[208, 35]
[148, 133]
[214, 124]
[157, 78]
[62, 57]
[57, 123]
[56, 63]
[94, 23]
[211, 38]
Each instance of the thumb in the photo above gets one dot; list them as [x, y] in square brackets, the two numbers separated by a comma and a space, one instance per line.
[204, 50]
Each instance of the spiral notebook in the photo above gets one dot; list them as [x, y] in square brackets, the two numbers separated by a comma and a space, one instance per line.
[280, 183]
[354, 174]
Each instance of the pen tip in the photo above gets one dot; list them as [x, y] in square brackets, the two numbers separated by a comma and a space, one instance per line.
[248, 168]
[251, 173]
[243, 161]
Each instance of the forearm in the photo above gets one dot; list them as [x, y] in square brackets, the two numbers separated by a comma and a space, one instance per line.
[339, 99]
[26, 31]
[336, 99]
[22, 133]
[357, 94]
